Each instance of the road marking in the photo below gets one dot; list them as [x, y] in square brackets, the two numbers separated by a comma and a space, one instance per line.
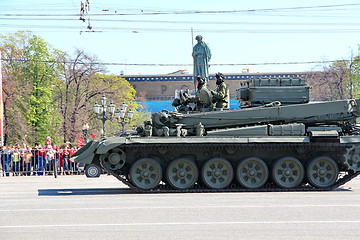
[173, 224]
[174, 207]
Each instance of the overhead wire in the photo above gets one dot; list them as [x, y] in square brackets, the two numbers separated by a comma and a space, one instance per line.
[325, 11]
[174, 64]
[291, 11]
[196, 22]
[308, 26]
[103, 17]
[141, 12]
[213, 30]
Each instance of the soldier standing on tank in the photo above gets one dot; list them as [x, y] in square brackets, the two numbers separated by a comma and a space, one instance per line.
[221, 93]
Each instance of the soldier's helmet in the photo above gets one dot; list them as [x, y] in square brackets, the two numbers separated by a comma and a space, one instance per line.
[219, 78]
[200, 80]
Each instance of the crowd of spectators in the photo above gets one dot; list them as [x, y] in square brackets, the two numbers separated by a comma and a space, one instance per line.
[37, 160]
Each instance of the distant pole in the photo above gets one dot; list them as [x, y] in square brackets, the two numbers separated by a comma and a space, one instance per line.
[192, 45]
[1, 109]
[192, 37]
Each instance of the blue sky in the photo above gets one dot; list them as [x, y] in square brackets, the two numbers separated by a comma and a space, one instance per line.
[241, 34]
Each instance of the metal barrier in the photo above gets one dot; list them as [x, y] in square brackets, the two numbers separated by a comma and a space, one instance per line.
[38, 164]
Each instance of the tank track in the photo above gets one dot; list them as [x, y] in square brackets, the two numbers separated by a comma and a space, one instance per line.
[268, 187]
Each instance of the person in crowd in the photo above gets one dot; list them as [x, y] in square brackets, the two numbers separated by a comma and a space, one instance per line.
[38, 153]
[60, 154]
[56, 159]
[73, 167]
[28, 156]
[49, 158]
[47, 141]
[6, 160]
[16, 161]
[1, 168]
[66, 156]
[22, 163]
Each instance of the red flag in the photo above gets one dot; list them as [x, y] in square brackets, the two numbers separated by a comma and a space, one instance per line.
[80, 141]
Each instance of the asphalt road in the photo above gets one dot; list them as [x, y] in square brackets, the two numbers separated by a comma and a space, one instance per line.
[76, 207]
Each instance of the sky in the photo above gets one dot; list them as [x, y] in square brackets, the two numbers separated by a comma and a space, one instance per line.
[156, 37]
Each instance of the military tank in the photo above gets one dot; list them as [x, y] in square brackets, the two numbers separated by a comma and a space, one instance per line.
[277, 141]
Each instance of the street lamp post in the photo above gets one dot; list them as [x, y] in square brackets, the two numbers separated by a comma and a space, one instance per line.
[100, 111]
[85, 130]
[122, 114]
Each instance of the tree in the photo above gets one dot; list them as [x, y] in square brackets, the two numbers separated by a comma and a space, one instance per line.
[84, 82]
[72, 91]
[30, 69]
[49, 93]
[332, 83]
[355, 75]
[119, 91]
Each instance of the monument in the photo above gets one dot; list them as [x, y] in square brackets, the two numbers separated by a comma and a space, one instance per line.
[201, 54]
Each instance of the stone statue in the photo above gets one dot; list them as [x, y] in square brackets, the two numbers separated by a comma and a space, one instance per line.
[201, 54]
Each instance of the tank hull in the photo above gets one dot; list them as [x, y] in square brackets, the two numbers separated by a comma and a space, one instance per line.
[119, 155]
[277, 141]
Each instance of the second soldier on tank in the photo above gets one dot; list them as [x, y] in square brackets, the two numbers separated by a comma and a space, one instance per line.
[221, 93]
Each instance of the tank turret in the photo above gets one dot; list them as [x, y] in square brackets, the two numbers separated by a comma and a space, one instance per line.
[277, 140]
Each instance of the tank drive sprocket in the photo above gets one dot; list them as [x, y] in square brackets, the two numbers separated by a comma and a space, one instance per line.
[352, 158]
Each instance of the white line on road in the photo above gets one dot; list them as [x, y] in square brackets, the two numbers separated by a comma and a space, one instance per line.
[173, 224]
[174, 207]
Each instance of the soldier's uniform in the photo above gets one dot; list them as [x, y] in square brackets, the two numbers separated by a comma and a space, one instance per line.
[203, 98]
[221, 96]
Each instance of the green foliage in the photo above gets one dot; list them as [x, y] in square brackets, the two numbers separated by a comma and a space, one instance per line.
[33, 78]
[118, 91]
[334, 82]
[49, 93]
[355, 77]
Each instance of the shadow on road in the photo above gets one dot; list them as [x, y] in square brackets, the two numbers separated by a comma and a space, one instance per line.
[342, 189]
[84, 191]
[108, 191]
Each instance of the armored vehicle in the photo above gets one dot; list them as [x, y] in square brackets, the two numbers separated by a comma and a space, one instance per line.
[277, 141]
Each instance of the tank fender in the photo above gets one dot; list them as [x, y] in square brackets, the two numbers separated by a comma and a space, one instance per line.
[86, 153]
[110, 143]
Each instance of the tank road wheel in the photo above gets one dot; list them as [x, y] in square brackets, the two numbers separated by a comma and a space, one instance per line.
[114, 159]
[182, 173]
[217, 173]
[288, 172]
[252, 172]
[146, 173]
[322, 172]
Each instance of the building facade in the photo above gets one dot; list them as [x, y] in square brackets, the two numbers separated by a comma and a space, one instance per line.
[162, 87]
